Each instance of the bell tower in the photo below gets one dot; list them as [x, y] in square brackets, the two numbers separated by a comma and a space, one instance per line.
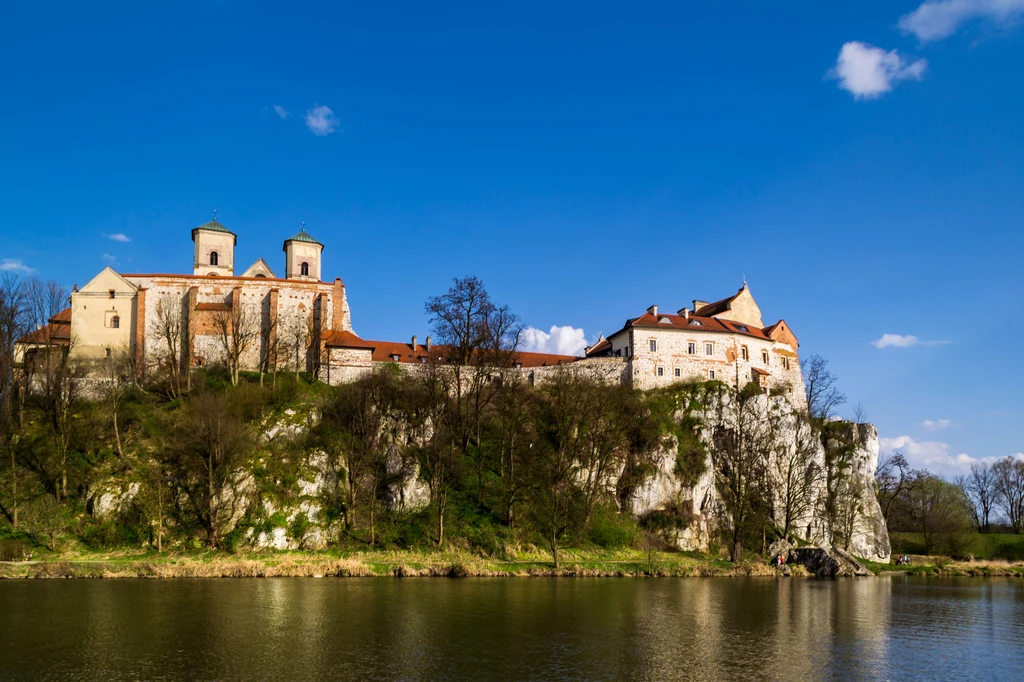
[214, 249]
[302, 257]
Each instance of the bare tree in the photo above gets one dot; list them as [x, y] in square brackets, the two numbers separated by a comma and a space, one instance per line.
[210, 445]
[893, 480]
[297, 336]
[118, 374]
[980, 489]
[1009, 485]
[238, 329]
[795, 468]
[172, 328]
[823, 396]
[742, 447]
[13, 324]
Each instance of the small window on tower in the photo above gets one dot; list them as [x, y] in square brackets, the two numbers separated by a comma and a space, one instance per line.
[115, 322]
[304, 269]
[214, 258]
[110, 293]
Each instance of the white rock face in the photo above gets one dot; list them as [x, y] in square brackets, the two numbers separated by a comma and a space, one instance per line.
[869, 539]
[111, 499]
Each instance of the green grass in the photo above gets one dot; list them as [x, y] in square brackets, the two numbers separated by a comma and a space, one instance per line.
[1006, 546]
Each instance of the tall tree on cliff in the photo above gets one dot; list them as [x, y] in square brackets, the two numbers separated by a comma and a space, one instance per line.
[211, 442]
[477, 340]
[741, 453]
[795, 469]
[823, 396]
[13, 324]
[354, 430]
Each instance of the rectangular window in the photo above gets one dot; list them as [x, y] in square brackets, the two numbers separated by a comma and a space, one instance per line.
[764, 357]
[107, 352]
[661, 371]
[691, 348]
[679, 372]
[785, 362]
[111, 293]
[711, 374]
[709, 349]
[744, 353]
[653, 345]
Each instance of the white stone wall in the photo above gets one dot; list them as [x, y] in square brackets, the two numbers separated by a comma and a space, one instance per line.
[726, 360]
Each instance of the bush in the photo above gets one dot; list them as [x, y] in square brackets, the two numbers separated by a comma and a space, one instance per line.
[610, 529]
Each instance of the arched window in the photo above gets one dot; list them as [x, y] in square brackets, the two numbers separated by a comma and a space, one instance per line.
[304, 269]
[214, 258]
[115, 322]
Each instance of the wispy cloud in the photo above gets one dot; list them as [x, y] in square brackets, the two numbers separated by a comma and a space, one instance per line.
[868, 72]
[109, 258]
[938, 19]
[321, 120]
[936, 424]
[15, 265]
[119, 237]
[565, 340]
[903, 341]
[281, 111]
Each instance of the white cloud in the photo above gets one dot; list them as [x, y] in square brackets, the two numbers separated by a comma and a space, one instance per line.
[119, 237]
[903, 341]
[109, 258]
[936, 425]
[281, 111]
[933, 455]
[15, 265]
[560, 340]
[321, 120]
[929, 454]
[869, 72]
[937, 19]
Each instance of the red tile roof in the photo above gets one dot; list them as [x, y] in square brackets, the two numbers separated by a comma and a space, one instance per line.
[213, 306]
[388, 351]
[718, 307]
[58, 331]
[711, 324]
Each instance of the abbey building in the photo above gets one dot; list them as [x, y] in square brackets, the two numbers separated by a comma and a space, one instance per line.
[259, 321]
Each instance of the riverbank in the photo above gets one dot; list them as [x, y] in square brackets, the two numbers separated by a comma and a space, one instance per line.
[413, 563]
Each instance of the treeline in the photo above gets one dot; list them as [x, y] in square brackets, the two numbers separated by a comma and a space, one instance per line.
[947, 514]
[198, 460]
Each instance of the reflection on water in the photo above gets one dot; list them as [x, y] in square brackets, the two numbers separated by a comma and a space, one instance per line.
[431, 629]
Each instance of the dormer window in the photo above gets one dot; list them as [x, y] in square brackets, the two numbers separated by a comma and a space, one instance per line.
[214, 258]
[696, 323]
[304, 269]
[395, 357]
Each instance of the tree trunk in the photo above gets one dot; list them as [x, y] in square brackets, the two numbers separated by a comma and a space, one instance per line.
[117, 436]
[212, 539]
[440, 519]
[554, 549]
[14, 490]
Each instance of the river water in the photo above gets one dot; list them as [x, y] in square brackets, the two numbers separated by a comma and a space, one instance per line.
[526, 628]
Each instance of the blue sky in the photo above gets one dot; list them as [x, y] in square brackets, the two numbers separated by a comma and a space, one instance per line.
[860, 165]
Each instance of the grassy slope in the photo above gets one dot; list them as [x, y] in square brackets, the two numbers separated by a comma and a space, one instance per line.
[988, 546]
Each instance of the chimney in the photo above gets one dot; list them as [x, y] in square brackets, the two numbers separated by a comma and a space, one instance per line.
[653, 310]
[429, 339]
[414, 342]
[685, 312]
[697, 304]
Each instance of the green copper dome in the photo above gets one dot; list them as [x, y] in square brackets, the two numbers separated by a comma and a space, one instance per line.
[303, 236]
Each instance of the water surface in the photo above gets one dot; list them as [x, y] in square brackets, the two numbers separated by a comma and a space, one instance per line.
[529, 628]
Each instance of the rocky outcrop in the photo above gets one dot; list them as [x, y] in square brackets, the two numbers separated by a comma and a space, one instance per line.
[826, 563]
[868, 537]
